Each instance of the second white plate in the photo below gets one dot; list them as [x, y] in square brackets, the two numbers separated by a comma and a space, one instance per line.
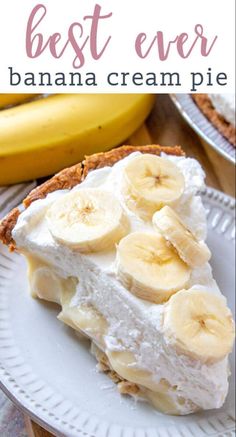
[203, 126]
[51, 375]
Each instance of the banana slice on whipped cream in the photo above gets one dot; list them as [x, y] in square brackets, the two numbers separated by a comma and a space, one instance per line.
[195, 253]
[89, 220]
[149, 183]
[199, 324]
[149, 267]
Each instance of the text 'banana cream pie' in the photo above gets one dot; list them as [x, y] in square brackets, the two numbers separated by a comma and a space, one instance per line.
[119, 243]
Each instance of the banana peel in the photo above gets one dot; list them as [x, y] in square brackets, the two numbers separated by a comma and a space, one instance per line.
[43, 136]
[14, 99]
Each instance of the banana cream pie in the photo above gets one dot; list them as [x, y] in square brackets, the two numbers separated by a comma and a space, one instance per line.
[119, 243]
[220, 110]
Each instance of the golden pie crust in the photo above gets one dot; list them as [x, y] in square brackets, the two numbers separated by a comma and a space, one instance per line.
[226, 129]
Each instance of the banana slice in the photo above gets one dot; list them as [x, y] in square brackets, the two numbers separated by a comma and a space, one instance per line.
[199, 325]
[124, 363]
[149, 267]
[89, 220]
[160, 393]
[150, 182]
[85, 318]
[168, 223]
[45, 283]
[170, 402]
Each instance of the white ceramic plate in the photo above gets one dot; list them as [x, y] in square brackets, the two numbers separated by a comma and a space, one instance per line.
[203, 126]
[51, 375]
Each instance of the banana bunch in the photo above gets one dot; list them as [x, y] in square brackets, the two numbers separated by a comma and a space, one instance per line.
[14, 99]
[42, 136]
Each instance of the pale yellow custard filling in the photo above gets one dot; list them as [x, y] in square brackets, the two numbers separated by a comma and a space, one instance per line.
[46, 284]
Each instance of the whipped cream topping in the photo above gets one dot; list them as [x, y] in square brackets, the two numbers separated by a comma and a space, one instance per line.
[224, 105]
[134, 324]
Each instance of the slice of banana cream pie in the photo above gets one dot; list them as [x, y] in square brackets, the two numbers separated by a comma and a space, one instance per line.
[119, 243]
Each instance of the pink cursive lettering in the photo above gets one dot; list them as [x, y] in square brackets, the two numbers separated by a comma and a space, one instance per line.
[179, 41]
[36, 43]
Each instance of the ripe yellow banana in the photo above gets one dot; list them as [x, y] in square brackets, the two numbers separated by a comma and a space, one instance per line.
[46, 135]
[14, 99]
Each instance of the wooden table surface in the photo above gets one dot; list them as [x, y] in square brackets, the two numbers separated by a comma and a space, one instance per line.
[165, 126]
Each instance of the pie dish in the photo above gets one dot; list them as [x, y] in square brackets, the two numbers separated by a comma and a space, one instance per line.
[118, 242]
[220, 111]
[202, 125]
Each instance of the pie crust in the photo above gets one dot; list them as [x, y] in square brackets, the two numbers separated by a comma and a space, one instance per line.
[225, 128]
